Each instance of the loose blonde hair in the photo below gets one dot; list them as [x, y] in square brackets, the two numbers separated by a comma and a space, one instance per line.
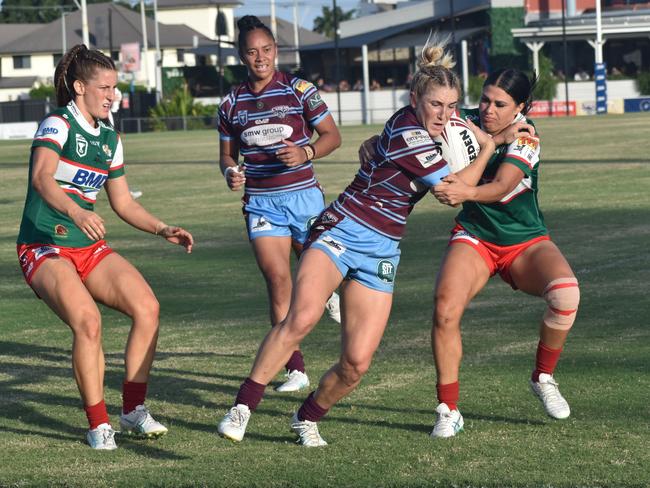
[434, 68]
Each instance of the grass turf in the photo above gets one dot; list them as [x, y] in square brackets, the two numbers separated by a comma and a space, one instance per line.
[595, 175]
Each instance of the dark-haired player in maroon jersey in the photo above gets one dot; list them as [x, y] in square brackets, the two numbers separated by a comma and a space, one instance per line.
[269, 120]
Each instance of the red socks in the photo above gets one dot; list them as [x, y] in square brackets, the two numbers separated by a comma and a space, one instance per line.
[296, 362]
[97, 414]
[448, 394]
[133, 394]
[545, 361]
[310, 410]
[250, 394]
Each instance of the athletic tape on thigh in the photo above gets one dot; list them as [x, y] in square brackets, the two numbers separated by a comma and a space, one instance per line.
[562, 297]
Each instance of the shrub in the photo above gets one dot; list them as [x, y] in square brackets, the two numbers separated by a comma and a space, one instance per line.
[643, 82]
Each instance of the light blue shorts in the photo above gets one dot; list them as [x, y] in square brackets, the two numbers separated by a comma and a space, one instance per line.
[359, 253]
[288, 214]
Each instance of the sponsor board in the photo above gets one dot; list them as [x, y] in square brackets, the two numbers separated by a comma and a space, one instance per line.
[543, 108]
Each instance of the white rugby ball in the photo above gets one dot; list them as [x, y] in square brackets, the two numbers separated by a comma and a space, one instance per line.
[458, 144]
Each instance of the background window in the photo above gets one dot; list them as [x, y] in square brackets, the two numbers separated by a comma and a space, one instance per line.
[22, 62]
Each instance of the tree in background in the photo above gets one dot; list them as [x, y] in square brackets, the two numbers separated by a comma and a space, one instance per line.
[324, 23]
[42, 14]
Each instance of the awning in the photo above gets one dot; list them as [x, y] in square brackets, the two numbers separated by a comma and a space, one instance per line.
[213, 49]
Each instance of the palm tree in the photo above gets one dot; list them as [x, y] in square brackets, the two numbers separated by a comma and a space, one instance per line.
[324, 23]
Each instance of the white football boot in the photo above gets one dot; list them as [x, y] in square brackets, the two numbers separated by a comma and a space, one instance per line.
[307, 432]
[101, 437]
[296, 381]
[333, 307]
[233, 425]
[546, 389]
[140, 423]
[448, 422]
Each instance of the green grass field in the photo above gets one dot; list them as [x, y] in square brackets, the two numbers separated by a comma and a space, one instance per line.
[595, 177]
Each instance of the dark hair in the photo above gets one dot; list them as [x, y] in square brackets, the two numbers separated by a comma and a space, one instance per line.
[79, 63]
[249, 23]
[515, 83]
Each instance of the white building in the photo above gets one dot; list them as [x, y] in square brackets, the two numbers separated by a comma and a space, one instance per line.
[29, 52]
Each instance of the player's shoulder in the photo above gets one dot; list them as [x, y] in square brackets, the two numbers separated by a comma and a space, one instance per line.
[299, 85]
[469, 114]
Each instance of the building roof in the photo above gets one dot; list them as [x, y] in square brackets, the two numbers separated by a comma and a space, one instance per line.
[614, 25]
[125, 27]
[9, 32]
[183, 4]
[18, 82]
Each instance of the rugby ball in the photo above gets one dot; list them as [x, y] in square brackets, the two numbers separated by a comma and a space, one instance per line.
[458, 144]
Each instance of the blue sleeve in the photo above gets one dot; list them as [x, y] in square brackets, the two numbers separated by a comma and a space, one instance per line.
[436, 177]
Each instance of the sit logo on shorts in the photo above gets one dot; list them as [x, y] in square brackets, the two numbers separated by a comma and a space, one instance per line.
[386, 271]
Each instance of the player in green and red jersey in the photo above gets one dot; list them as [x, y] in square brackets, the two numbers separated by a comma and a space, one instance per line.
[502, 230]
[61, 245]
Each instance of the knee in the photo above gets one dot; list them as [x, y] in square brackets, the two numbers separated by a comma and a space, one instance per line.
[353, 369]
[147, 310]
[562, 298]
[277, 280]
[447, 311]
[88, 326]
[300, 322]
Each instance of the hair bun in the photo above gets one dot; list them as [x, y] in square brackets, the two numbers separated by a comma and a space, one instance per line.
[249, 22]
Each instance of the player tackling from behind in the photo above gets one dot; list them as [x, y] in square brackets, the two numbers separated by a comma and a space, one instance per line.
[501, 230]
[355, 244]
[269, 119]
[61, 245]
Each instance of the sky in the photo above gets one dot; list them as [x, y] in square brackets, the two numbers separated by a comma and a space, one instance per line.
[308, 10]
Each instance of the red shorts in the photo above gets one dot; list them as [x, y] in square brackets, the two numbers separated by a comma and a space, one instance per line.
[498, 258]
[84, 259]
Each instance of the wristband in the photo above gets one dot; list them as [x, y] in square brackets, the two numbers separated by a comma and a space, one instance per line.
[159, 227]
[230, 168]
[309, 151]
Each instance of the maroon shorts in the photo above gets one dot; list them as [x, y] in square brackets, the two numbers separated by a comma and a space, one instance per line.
[498, 258]
[84, 259]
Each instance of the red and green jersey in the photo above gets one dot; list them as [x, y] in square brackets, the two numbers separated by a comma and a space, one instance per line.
[88, 156]
[516, 217]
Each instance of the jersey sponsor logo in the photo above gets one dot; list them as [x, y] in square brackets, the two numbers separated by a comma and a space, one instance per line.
[302, 86]
[416, 137]
[84, 177]
[242, 117]
[260, 224]
[46, 131]
[261, 121]
[82, 145]
[265, 135]
[429, 158]
[335, 246]
[315, 101]
[39, 252]
[386, 271]
[280, 111]
[60, 230]
[107, 150]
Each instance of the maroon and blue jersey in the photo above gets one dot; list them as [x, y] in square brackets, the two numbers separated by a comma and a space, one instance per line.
[407, 163]
[287, 108]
